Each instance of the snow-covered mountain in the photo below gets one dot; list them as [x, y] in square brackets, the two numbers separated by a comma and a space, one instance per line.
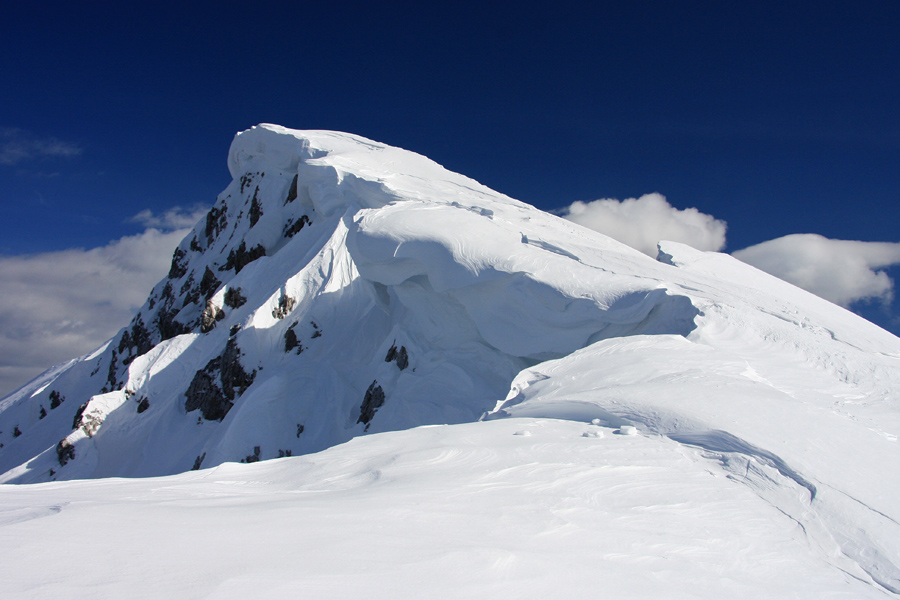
[341, 288]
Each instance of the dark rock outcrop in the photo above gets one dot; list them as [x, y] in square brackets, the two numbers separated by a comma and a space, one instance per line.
[209, 284]
[291, 341]
[255, 208]
[198, 461]
[56, 399]
[215, 387]
[292, 227]
[399, 356]
[76, 422]
[65, 452]
[178, 269]
[252, 458]
[135, 341]
[372, 401]
[240, 258]
[216, 222]
[234, 298]
[292, 192]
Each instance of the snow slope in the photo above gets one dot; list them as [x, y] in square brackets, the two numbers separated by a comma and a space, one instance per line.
[515, 508]
[342, 288]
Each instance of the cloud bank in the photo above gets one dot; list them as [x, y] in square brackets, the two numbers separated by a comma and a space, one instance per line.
[58, 305]
[841, 271]
[17, 145]
[642, 222]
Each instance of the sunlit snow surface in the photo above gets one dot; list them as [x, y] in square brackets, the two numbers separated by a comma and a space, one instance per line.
[687, 427]
[518, 508]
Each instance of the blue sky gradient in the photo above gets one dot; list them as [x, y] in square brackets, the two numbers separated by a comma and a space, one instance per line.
[776, 117]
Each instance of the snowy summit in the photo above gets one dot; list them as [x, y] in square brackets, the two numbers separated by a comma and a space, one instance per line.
[476, 397]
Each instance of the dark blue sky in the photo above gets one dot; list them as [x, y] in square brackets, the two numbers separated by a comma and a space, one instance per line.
[777, 117]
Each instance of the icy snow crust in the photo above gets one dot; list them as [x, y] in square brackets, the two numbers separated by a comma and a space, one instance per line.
[342, 287]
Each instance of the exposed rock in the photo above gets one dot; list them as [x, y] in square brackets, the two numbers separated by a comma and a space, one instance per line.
[198, 461]
[216, 222]
[143, 405]
[292, 191]
[317, 332]
[253, 457]
[371, 403]
[190, 292]
[168, 294]
[283, 453]
[399, 356]
[211, 315]
[88, 422]
[167, 326]
[195, 245]
[179, 264]
[136, 341]
[112, 374]
[300, 429]
[16, 431]
[234, 298]
[292, 227]
[285, 305]
[65, 452]
[246, 180]
[215, 387]
[43, 413]
[240, 258]
[209, 284]
[56, 399]
[255, 208]
[76, 423]
[205, 394]
[291, 341]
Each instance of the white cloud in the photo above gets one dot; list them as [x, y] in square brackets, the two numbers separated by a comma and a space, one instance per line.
[17, 146]
[174, 218]
[59, 305]
[642, 222]
[841, 271]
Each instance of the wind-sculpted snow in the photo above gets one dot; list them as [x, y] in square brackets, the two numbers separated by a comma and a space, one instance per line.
[821, 449]
[340, 287]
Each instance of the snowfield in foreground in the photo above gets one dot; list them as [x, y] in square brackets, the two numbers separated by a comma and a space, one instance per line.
[516, 508]
[468, 396]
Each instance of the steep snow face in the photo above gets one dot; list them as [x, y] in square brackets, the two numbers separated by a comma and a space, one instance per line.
[340, 287]
[337, 286]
